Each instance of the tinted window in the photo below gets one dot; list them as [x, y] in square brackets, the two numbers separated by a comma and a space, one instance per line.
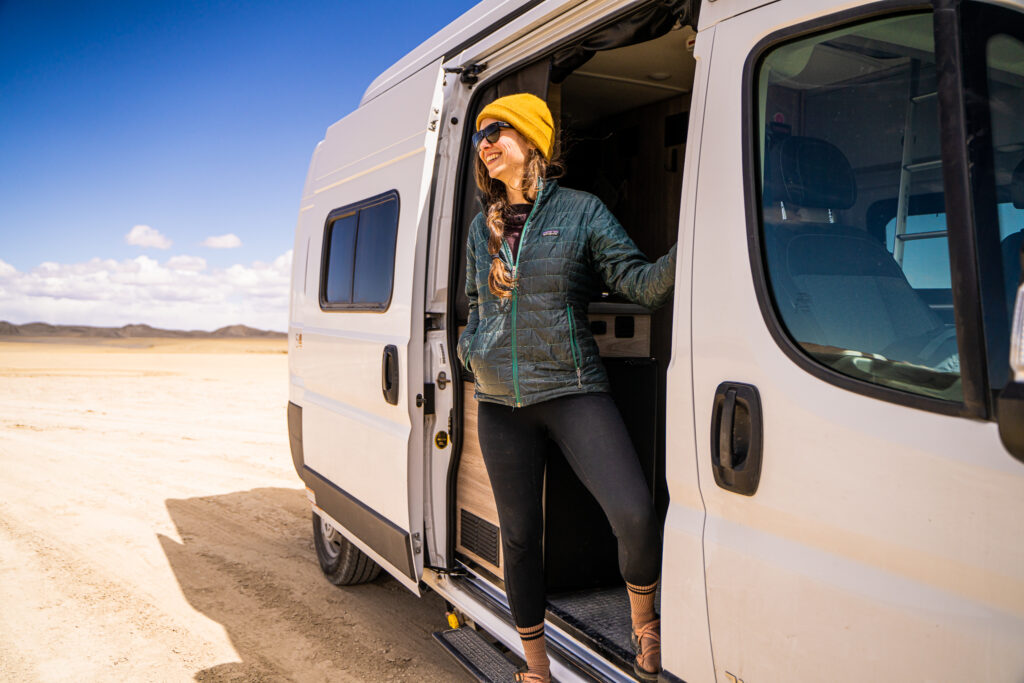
[341, 245]
[359, 249]
[375, 253]
[848, 122]
[925, 253]
[926, 262]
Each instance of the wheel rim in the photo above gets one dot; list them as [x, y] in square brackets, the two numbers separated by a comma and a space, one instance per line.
[332, 539]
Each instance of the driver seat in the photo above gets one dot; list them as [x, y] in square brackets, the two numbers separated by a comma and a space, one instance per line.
[835, 285]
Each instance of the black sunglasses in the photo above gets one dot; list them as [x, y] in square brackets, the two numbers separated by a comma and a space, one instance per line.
[492, 132]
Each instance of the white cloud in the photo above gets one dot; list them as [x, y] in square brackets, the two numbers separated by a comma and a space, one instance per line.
[145, 236]
[191, 263]
[228, 241]
[181, 293]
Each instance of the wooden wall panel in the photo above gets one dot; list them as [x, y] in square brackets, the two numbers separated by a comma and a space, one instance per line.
[473, 487]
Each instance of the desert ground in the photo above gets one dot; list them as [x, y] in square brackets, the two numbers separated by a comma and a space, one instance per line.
[152, 527]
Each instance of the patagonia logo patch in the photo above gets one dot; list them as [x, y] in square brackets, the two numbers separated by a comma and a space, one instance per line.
[550, 233]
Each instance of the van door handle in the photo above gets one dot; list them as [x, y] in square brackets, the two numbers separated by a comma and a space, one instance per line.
[389, 374]
[736, 437]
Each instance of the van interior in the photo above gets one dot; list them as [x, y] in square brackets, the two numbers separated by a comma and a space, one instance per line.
[620, 97]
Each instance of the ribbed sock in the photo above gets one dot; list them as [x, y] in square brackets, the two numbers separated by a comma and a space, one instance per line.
[641, 603]
[533, 649]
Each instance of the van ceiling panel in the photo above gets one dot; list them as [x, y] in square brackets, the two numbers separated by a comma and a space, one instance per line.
[642, 26]
[617, 80]
[833, 64]
[667, 55]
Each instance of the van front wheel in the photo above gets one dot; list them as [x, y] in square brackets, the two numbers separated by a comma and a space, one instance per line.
[342, 562]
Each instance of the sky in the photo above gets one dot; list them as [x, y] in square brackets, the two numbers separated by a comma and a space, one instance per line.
[152, 153]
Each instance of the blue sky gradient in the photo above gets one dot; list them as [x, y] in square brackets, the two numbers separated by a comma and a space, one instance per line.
[197, 119]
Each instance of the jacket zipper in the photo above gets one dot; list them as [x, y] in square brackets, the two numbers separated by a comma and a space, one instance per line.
[577, 355]
[515, 297]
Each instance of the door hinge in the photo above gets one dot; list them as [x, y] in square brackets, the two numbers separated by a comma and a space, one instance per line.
[467, 74]
[417, 544]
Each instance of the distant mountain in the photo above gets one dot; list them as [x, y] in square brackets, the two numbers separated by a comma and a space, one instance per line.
[244, 331]
[47, 330]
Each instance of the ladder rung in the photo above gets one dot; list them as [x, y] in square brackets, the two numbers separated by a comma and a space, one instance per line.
[911, 236]
[923, 96]
[923, 165]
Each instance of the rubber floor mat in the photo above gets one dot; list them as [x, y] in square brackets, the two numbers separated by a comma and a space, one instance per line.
[602, 615]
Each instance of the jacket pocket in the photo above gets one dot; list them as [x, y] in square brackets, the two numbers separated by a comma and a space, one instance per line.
[574, 347]
[466, 349]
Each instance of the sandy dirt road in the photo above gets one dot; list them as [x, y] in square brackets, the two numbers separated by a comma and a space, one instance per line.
[152, 527]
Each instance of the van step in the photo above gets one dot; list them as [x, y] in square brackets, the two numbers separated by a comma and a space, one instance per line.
[481, 659]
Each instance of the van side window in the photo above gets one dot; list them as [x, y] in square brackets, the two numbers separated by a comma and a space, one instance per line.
[1004, 59]
[848, 123]
[359, 255]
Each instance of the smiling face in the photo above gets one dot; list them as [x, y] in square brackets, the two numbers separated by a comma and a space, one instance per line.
[506, 158]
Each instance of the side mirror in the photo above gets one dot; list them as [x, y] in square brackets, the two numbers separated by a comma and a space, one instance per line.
[1011, 400]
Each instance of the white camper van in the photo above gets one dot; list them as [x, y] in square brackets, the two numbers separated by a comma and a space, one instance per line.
[830, 412]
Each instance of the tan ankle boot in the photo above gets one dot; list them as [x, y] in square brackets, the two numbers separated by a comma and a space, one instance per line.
[646, 642]
[527, 677]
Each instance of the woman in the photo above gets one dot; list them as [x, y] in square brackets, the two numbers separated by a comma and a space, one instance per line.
[534, 259]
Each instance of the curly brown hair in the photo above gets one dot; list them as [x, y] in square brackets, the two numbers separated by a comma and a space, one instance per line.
[495, 196]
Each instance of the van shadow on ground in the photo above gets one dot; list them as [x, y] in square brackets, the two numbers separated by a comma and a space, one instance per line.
[247, 561]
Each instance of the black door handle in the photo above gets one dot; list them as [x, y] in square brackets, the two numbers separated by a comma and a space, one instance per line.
[736, 437]
[389, 374]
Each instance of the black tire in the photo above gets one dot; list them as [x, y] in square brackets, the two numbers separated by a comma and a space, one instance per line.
[342, 562]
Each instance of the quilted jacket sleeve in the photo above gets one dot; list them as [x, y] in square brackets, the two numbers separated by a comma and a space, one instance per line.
[624, 267]
[466, 338]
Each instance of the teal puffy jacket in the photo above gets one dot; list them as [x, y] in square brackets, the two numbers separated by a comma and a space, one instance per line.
[536, 344]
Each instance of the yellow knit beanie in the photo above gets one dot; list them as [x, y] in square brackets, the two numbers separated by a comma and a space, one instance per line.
[528, 114]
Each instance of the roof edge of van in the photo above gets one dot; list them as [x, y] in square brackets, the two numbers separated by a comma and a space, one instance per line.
[482, 18]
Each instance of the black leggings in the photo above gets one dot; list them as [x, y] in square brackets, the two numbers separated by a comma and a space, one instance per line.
[590, 432]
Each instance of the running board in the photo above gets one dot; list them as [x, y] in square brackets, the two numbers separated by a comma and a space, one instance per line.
[481, 659]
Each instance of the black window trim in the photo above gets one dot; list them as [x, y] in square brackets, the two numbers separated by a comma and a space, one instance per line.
[325, 256]
[961, 205]
[963, 266]
[985, 20]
